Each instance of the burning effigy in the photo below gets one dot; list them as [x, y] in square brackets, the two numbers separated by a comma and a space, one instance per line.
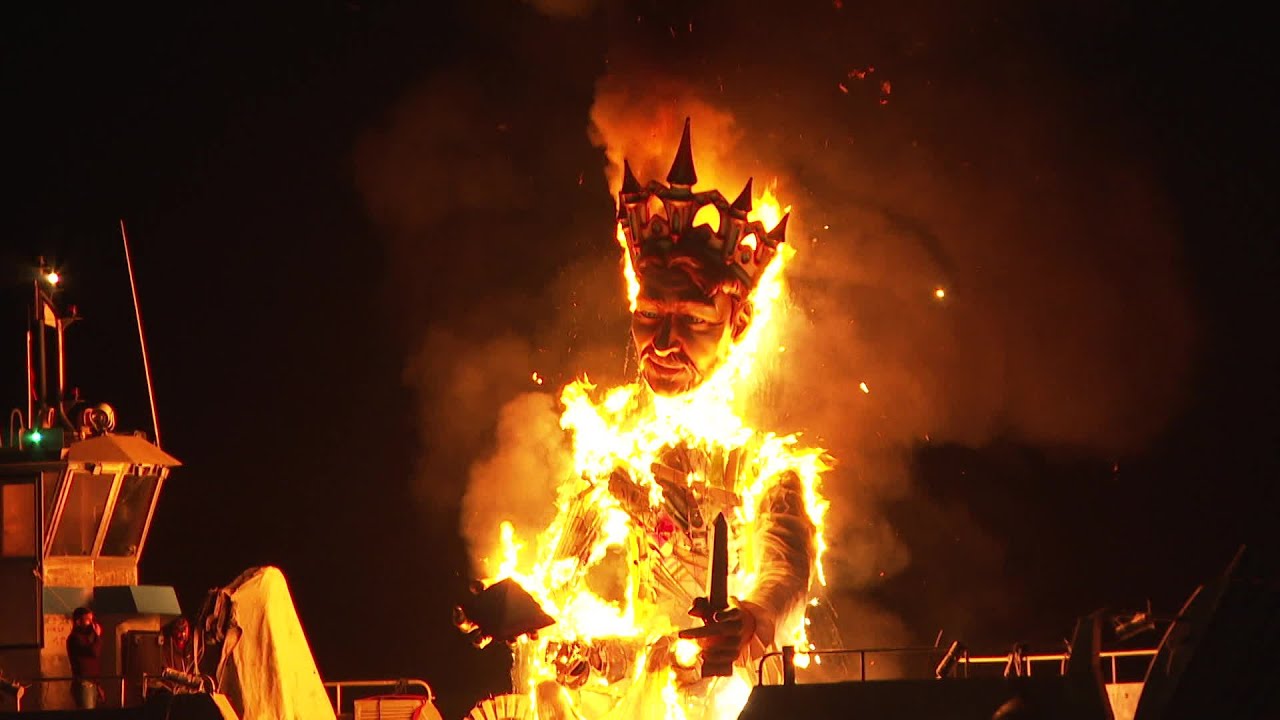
[686, 544]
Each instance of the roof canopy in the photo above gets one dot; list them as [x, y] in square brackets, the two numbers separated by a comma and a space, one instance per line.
[129, 449]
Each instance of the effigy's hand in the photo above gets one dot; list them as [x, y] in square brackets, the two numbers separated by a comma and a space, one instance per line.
[723, 638]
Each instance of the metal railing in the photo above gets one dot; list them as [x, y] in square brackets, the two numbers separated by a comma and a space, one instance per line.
[338, 685]
[28, 685]
[788, 659]
[787, 654]
[1028, 660]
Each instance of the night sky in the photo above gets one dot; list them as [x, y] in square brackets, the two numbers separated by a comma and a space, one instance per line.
[357, 227]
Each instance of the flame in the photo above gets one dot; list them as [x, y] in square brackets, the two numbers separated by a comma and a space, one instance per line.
[628, 272]
[686, 652]
[627, 427]
[767, 209]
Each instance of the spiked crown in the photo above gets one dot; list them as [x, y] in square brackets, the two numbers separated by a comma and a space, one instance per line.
[742, 246]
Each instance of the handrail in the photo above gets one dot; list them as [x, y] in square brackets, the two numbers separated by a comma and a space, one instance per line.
[338, 685]
[28, 684]
[965, 658]
[1062, 657]
[862, 652]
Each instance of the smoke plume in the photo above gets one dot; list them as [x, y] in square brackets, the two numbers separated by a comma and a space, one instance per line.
[1062, 322]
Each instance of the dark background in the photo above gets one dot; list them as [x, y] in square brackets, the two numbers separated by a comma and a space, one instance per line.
[279, 333]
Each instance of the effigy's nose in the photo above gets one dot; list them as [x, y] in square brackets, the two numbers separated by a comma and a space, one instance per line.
[663, 341]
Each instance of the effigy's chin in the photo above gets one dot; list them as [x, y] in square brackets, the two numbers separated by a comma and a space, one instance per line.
[668, 386]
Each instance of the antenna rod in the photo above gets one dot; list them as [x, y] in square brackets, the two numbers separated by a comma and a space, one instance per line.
[142, 341]
[42, 365]
[30, 383]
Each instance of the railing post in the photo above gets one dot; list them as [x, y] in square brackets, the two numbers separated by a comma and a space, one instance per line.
[789, 665]
[862, 660]
[337, 691]
[949, 660]
[431, 694]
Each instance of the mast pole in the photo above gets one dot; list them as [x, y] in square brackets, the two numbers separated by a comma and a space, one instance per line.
[29, 383]
[42, 360]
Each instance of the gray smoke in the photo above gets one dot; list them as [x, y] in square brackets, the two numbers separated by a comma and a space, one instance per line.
[1065, 322]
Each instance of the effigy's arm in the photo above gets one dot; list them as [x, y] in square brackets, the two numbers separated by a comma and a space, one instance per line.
[785, 542]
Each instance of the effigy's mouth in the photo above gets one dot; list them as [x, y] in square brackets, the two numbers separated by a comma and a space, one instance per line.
[668, 363]
[670, 375]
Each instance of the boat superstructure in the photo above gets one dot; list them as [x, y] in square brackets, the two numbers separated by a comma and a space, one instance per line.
[77, 498]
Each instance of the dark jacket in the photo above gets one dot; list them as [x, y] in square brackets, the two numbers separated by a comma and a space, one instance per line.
[83, 648]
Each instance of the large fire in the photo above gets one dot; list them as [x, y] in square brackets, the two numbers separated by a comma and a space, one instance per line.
[627, 427]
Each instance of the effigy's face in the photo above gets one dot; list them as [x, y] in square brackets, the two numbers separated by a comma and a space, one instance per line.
[682, 333]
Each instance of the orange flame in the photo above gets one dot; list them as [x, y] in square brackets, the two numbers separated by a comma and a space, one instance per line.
[628, 272]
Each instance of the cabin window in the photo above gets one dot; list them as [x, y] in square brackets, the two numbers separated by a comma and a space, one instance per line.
[52, 482]
[82, 514]
[18, 520]
[129, 518]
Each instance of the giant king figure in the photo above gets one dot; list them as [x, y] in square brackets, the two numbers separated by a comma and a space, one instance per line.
[662, 609]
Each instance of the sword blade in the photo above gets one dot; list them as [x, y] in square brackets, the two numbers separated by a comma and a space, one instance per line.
[718, 583]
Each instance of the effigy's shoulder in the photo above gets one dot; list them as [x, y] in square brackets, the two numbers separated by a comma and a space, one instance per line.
[773, 479]
[784, 495]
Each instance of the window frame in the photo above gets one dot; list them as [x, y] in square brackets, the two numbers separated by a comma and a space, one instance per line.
[109, 516]
[112, 470]
[64, 474]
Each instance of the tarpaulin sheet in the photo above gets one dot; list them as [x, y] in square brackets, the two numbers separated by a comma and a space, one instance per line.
[266, 670]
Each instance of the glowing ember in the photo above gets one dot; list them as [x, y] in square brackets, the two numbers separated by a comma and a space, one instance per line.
[940, 292]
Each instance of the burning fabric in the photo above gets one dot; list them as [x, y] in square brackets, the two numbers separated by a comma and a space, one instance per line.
[686, 544]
